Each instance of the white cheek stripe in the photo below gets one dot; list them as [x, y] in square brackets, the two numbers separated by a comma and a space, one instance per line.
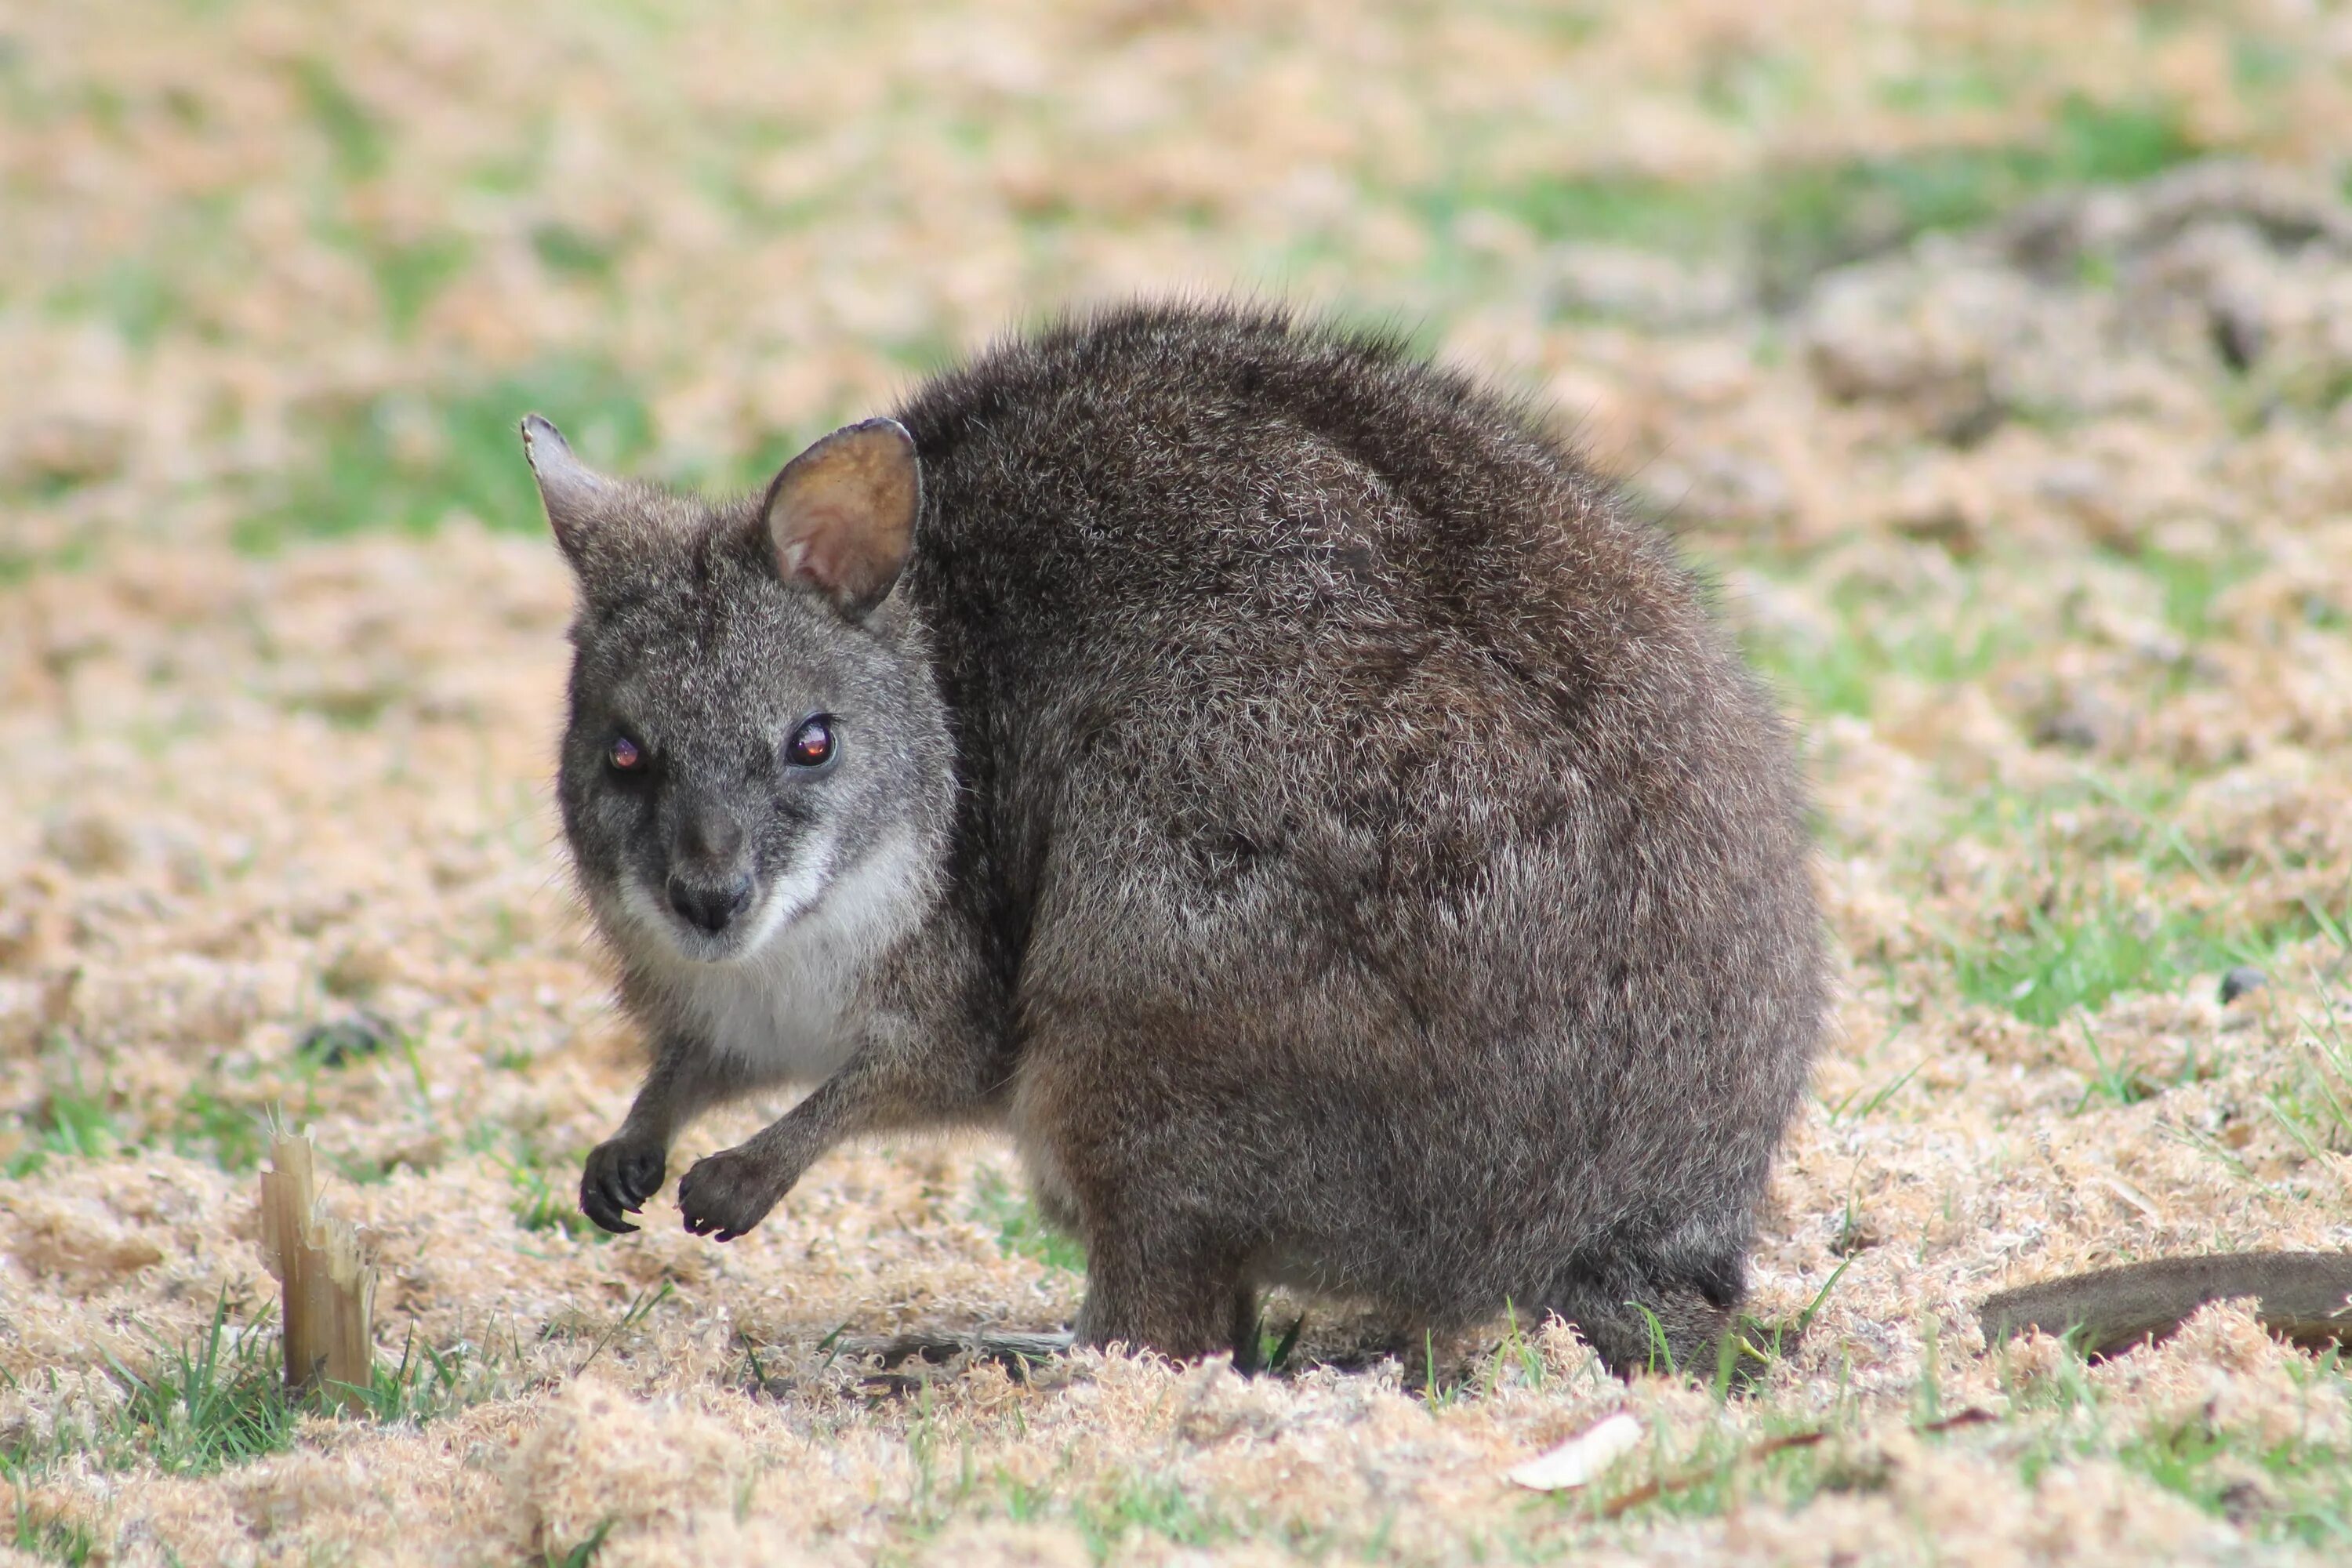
[787, 897]
[779, 1002]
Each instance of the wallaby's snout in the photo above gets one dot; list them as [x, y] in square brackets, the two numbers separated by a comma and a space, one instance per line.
[708, 839]
[710, 881]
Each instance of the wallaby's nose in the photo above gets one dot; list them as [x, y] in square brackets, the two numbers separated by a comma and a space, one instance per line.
[710, 908]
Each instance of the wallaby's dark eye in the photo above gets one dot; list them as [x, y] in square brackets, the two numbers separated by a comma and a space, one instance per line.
[627, 756]
[812, 744]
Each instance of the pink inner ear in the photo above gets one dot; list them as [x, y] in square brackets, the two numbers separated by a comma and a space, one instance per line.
[842, 514]
[832, 546]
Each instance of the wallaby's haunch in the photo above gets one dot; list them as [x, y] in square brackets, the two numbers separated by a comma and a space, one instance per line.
[1264, 775]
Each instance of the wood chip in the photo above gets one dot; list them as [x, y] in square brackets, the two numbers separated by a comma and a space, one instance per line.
[328, 1294]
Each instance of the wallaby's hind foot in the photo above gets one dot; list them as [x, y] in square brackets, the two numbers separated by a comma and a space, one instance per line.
[1676, 1329]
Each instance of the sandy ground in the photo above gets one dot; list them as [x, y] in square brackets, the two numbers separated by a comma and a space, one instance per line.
[2046, 528]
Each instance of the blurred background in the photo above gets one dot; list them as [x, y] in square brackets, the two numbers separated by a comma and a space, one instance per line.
[279, 271]
[1993, 358]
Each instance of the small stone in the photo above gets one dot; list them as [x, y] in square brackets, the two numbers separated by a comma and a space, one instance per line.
[90, 844]
[359, 972]
[2245, 977]
[332, 1045]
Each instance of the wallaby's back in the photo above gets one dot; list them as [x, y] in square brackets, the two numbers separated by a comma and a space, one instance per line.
[1399, 885]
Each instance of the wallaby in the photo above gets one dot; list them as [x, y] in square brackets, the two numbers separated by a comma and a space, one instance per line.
[1265, 774]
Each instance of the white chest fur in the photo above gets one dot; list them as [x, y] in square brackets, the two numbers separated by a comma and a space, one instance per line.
[788, 1008]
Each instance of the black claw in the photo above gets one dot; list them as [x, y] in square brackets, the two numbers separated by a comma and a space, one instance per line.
[605, 1216]
[618, 1182]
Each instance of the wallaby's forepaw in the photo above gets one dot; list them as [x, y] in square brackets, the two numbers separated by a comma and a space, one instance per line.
[621, 1175]
[728, 1193]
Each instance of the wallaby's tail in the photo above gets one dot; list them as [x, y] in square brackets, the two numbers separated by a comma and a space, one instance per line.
[2306, 1297]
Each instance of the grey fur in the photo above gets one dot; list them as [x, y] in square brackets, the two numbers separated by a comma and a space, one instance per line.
[1281, 789]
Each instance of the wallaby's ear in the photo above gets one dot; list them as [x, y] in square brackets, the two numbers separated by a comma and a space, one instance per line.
[842, 514]
[568, 488]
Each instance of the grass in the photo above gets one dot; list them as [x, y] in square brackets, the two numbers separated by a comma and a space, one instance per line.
[199, 1404]
[1021, 1230]
[2296, 1489]
[1726, 1461]
[410, 274]
[18, 566]
[2190, 585]
[573, 253]
[540, 1206]
[1109, 1517]
[2082, 943]
[207, 1404]
[138, 297]
[1152, 1506]
[2110, 894]
[427, 1383]
[1955, 631]
[412, 460]
[581, 1552]
[52, 1539]
[1755, 1449]
[2051, 963]
[75, 1120]
[354, 136]
[228, 1133]
[1795, 221]
[2075, 950]
[1937, 636]
[2314, 1105]
[216, 1399]
[641, 1307]
[71, 1119]
[1855, 1106]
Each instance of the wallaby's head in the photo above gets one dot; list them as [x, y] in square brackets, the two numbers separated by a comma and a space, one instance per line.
[752, 718]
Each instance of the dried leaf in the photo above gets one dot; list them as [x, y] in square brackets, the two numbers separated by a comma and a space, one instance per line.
[1581, 1457]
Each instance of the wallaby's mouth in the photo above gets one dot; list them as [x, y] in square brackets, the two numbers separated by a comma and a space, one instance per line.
[724, 923]
[709, 908]
[708, 925]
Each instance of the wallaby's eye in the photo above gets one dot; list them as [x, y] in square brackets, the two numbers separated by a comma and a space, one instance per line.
[812, 744]
[627, 756]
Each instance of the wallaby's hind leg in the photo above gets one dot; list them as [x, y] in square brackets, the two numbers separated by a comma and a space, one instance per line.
[1180, 1300]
